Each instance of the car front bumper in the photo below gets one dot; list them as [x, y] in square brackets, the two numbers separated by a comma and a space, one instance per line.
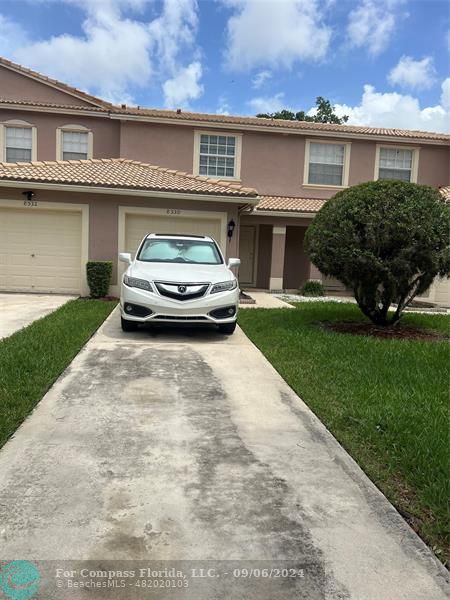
[167, 310]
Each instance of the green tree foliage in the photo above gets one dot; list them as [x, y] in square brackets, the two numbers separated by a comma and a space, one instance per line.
[324, 114]
[385, 240]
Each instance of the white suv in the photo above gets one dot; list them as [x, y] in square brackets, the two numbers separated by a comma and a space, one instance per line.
[179, 278]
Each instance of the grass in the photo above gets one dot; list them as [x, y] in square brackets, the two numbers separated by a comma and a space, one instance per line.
[386, 401]
[33, 358]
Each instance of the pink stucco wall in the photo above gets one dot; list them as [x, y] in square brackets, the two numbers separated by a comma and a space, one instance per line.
[106, 133]
[104, 215]
[14, 86]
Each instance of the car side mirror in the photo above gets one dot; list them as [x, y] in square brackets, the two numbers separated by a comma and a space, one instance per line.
[125, 257]
[233, 262]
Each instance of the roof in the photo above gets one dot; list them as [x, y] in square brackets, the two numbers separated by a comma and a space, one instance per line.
[179, 115]
[182, 117]
[289, 204]
[54, 82]
[120, 173]
[445, 191]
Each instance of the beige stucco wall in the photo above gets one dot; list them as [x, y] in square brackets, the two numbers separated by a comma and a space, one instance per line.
[106, 133]
[104, 216]
[14, 86]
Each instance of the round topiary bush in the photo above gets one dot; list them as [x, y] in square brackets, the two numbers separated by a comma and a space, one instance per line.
[385, 240]
[312, 288]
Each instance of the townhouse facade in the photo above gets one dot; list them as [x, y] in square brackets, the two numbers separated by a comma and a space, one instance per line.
[99, 176]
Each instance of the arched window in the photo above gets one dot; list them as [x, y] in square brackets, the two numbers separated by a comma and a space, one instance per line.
[73, 142]
[18, 141]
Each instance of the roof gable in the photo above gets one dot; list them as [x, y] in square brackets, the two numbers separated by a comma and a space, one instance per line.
[17, 83]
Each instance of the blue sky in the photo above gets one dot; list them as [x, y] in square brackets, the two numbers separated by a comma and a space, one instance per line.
[382, 62]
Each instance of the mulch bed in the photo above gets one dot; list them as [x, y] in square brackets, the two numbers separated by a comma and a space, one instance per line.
[397, 332]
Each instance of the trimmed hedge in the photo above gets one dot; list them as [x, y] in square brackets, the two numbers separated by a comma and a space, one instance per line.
[99, 277]
[312, 287]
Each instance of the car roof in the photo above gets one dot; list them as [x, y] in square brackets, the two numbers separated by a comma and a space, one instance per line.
[180, 236]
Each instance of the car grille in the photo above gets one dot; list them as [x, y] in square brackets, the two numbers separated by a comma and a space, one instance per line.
[181, 291]
[180, 318]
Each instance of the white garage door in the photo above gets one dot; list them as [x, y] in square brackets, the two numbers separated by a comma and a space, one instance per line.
[442, 291]
[40, 251]
[137, 226]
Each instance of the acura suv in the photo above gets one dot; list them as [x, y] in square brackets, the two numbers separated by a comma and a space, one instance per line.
[179, 278]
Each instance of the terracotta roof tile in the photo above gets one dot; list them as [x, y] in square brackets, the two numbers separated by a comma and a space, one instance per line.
[279, 123]
[289, 204]
[120, 173]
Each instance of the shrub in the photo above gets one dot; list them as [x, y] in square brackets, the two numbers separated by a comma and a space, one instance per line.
[99, 277]
[385, 240]
[312, 287]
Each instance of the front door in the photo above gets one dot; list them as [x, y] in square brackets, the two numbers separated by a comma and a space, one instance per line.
[247, 245]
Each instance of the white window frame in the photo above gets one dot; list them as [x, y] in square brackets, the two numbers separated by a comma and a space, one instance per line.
[415, 159]
[17, 123]
[76, 129]
[345, 166]
[237, 157]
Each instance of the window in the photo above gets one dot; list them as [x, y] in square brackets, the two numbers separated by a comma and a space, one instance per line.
[73, 142]
[326, 164]
[217, 155]
[180, 251]
[395, 163]
[74, 145]
[18, 144]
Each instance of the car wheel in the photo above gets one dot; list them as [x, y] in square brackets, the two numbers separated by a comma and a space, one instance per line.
[128, 325]
[227, 328]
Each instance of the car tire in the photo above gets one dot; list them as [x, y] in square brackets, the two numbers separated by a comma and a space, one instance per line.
[128, 325]
[227, 328]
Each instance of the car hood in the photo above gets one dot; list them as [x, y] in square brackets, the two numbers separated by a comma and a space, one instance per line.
[180, 273]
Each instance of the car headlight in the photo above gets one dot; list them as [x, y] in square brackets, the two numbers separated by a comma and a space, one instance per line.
[142, 284]
[224, 286]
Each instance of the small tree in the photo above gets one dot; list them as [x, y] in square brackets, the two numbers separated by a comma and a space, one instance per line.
[324, 114]
[385, 240]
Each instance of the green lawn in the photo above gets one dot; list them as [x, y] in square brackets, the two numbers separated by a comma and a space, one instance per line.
[33, 358]
[386, 401]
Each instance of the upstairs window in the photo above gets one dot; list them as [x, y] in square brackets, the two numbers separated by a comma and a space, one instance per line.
[75, 145]
[217, 155]
[18, 144]
[395, 163]
[326, 164]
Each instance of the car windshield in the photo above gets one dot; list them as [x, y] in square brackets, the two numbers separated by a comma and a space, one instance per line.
[180, 251]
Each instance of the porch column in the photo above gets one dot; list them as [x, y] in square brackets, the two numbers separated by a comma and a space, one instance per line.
[314, 273]
[277, 259]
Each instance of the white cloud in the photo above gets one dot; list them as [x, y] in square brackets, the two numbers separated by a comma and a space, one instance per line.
[371, 25]
[260, 79]
[117, 53]
[415, 74]
[267, 104]
[391, 109]
[275, 33]
[445, 96]
[184, 86]
[223, 107]
[12, 36]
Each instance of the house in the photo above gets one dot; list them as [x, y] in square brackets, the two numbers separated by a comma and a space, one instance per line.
[82, 178]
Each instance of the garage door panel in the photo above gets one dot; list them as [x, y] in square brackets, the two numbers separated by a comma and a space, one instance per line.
[137, 226]
[40, 250]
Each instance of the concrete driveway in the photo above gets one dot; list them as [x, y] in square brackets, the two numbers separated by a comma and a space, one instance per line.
[190, 447]
[19, 310]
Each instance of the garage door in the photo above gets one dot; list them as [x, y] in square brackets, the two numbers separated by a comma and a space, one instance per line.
[40, 251]
[442, 291]
[137, 226]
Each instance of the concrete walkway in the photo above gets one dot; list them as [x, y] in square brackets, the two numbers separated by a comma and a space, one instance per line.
[189, 446]
[265, 300]
[19, 310]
